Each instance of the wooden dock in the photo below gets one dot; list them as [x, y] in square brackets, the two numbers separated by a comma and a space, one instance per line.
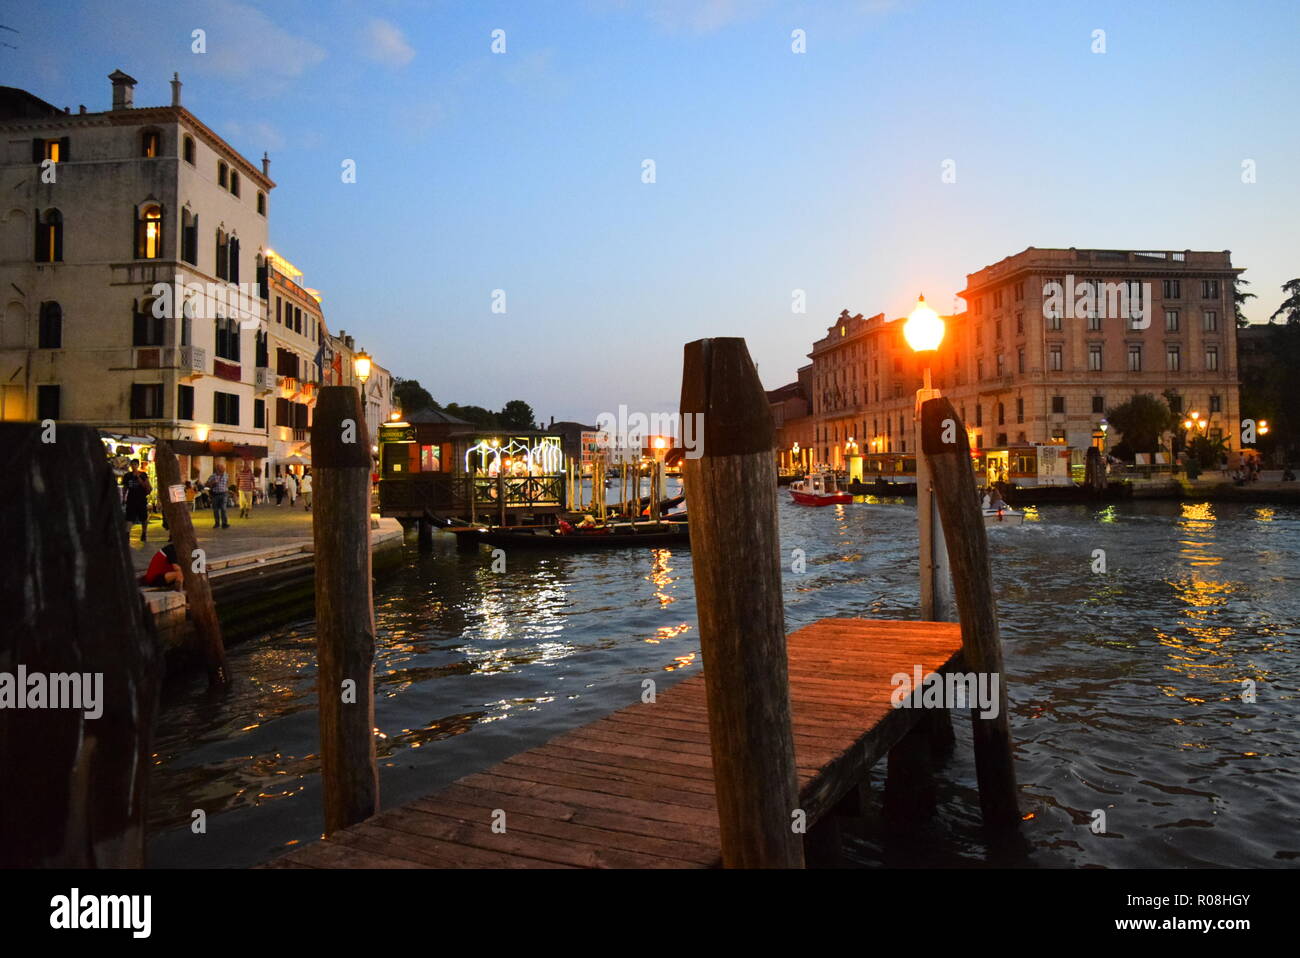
[635, 789]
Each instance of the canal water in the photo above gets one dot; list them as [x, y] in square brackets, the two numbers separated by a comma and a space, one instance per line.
[1127, 687]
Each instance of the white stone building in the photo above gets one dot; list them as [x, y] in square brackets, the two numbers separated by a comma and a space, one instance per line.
[100, 208]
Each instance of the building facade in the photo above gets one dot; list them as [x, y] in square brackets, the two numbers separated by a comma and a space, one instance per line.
[298, 347]
[132, 264]
[1049, 340]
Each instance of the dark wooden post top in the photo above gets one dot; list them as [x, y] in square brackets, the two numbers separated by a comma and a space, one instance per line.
[735, 550]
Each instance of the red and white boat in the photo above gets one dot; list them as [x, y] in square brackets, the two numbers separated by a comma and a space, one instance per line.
[818, 489]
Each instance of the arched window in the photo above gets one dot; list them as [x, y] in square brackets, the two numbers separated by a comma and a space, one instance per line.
[190, 237]
[234, 182]
[51, 326]
[149, 329]
[149, 232]
[49, 237]
[189, 149]
[150, 144]
[261, 202]
[232, 259]
[223, 257]
[223, 173]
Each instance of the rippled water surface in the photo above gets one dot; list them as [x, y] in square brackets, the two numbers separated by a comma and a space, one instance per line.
[1126, 687]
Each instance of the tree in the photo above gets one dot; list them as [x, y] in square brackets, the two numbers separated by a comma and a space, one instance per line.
[1239, 298]
[1142, 421]
[476, 415]
[516, 414]
[1291, 305]
[411, 396]
[1207, 452]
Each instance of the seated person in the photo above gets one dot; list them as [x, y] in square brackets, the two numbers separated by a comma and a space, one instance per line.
[164, 571]
[588, 522]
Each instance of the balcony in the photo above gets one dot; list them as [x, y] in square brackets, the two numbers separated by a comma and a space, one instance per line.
[190, 360]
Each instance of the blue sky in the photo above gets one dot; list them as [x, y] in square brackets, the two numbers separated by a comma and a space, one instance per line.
[774, 171]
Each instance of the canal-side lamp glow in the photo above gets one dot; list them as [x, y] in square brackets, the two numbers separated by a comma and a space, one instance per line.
[1262, 428]
[395, 416]
[924, 328]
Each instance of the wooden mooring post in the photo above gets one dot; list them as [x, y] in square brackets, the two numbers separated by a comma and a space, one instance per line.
[76, 776]
[345, 621]
[947, 451]
[736, 557]
[200, 607]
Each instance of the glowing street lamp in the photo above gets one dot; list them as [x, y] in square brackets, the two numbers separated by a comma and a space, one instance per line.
[1262, 428]
[924, 331]
[924, 328]
[361, 366]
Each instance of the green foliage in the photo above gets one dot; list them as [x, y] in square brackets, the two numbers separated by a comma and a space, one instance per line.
[516, 414]
[1207, 452]
[1142, 421]
[1290, 307]
[1239, 297]
[483, 418]
[410, 396]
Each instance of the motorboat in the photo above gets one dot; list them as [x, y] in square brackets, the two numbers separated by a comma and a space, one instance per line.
[1006, 516]
[818, 489]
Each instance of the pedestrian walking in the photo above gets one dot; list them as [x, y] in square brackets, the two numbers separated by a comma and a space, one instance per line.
[244, 483]
[291, 489]
[279, 489]
[136, 488]
[219, 486]
[305, 489]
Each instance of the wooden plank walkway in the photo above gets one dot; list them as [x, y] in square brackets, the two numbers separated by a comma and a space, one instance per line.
[635, 788]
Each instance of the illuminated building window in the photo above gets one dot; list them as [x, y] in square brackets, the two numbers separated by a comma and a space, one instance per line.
[150, 143]
[148, 232]
[49, 237]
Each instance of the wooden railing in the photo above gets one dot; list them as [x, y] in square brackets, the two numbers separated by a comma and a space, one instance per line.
[442, 492]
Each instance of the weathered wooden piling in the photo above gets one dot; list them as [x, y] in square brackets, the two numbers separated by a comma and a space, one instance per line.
[736, 557]
[345, 626]
[202, 610]
[76, 783]
[944, 444]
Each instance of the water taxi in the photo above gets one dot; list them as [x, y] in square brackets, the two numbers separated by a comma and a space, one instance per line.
[818, 489]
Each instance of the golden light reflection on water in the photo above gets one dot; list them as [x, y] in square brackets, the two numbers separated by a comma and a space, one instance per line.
[1108, 514]
[1265, 514]
[664, 633]
[681, 662]
[661, 576]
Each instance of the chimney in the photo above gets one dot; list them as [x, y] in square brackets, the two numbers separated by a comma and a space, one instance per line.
[123, 90]
[176, 89]
[266, 165]
[81, 108]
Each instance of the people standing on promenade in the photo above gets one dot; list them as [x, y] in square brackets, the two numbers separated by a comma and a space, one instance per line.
[219, 486]
[305, 489]
[136, 486]
[279, 489]
[291, 489]
[244, 483]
